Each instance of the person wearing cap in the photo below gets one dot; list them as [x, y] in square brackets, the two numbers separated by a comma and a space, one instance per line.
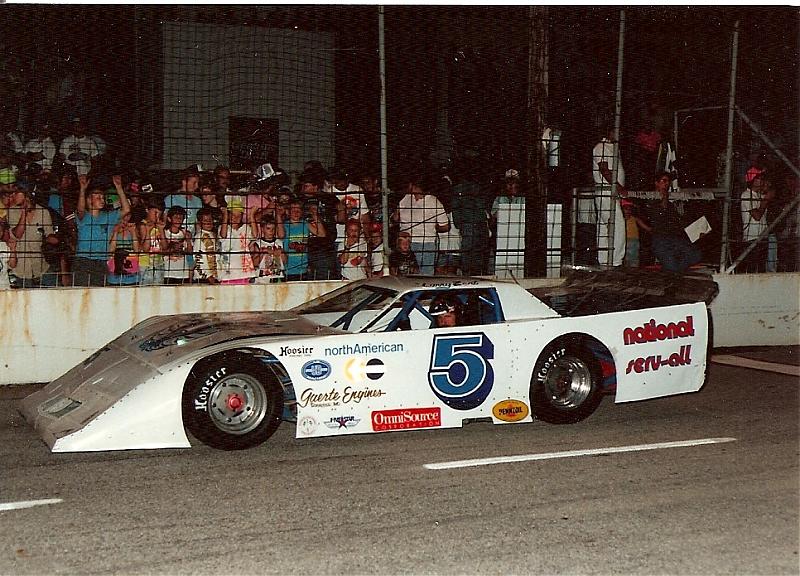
[79, 150]
[186, 196]
[8, 187]
[236, 236]
[95, 225]
[264, 196]
[423, 217]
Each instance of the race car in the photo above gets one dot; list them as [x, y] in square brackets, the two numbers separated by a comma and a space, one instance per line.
[384, 354]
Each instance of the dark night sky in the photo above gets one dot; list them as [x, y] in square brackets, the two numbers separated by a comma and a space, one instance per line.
[677, 57]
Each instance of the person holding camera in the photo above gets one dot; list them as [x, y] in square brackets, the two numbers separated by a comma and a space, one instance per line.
[32, 227]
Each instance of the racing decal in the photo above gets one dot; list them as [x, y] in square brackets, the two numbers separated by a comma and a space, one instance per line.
[510, 410]
[316, 370]
[449, 284]
[201, 399]
[652, 332]
[357, 369]
[654, 362]
[338, 422]
[306, 425]
[334, 397]
[460, 374]
[548, 363]
[364, 349]
[406, 418]
[296, 351]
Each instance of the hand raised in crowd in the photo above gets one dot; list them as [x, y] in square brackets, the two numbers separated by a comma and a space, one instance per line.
[116, 179]
[161, 222]
[83, 181]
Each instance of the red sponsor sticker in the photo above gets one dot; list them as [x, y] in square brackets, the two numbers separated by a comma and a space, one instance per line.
[405, 418]
[652, 332]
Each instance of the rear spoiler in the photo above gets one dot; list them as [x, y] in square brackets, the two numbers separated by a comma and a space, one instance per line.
[675, 288]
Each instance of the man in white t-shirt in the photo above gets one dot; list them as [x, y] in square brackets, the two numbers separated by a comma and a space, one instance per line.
[79, 149]
[423, 217]
[607, 165]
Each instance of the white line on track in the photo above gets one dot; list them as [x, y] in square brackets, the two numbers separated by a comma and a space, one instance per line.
[572, 453]
[28, 504]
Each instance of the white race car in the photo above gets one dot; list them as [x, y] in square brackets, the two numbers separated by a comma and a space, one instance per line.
[385, 354]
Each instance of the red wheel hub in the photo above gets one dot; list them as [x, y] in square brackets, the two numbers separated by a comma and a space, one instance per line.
[235, 402]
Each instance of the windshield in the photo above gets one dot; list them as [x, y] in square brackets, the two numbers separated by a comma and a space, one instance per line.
[350, 298]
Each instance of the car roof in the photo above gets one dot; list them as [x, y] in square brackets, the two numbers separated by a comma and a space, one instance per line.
[413, 282]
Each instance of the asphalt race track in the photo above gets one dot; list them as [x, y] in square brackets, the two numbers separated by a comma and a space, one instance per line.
[368, 505]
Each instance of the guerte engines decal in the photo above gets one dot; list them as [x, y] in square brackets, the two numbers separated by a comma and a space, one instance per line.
[460, 374]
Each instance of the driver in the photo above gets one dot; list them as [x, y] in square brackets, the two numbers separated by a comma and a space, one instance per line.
[447, 311]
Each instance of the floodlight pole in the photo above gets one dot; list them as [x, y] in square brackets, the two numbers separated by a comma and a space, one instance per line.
[384, 151]
[617, 121]
[728, 183]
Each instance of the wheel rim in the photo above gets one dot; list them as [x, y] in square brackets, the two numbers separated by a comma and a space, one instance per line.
[568, 382]
[238, 404]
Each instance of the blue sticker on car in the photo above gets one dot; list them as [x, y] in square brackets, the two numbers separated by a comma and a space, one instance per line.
[316, 370]
[460, 374]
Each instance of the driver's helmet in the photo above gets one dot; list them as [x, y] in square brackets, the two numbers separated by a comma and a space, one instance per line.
[446, 303]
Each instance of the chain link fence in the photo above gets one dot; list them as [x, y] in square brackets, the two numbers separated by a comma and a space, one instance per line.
[492, 117]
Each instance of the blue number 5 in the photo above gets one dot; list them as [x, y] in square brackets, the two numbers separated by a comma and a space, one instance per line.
[460, 374]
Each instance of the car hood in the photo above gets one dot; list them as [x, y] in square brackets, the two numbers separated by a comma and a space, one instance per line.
[164, 339]
[101, 404]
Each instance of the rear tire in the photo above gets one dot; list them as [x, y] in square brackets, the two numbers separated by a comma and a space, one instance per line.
[232, 402]
[565, 387]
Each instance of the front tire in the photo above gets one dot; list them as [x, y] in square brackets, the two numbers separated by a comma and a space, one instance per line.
[565, 387]
[232, 402]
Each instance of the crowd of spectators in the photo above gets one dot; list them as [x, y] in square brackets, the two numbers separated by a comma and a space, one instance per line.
[66, 219]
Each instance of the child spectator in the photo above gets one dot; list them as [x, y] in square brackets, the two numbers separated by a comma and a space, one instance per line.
[402, 260]
[177, 263]
[235, 238]
[151, 233]
[8, 255]
[206, 249]
[268, 254]
[123, 266]
[632, 224]
[378, 264]
[353, 252]
[295, 241]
